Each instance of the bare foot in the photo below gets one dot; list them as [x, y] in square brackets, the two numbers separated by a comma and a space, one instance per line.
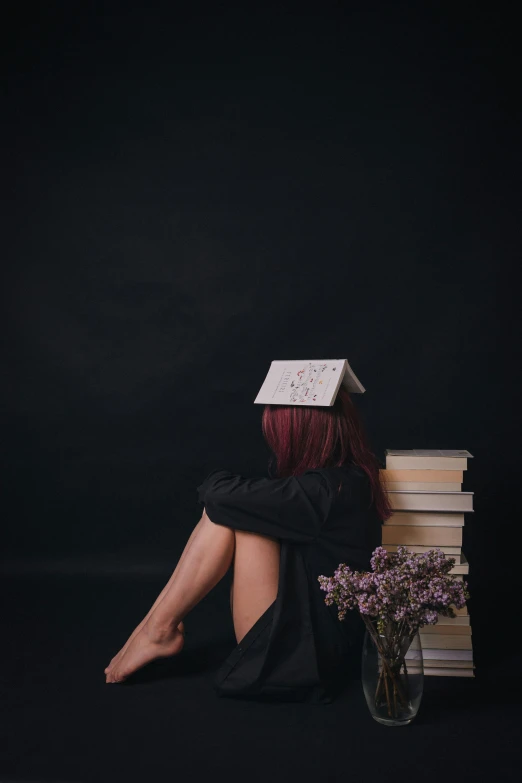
[147, 645]
[119, 655]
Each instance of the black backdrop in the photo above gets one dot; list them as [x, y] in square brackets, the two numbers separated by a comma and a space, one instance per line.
[189, 193]
[192, 192]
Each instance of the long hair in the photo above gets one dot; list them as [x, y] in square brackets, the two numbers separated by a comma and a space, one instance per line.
[307, 437]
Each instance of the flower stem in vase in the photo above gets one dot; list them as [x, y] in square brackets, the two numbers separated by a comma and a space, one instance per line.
[390, 674]
[388, 695]
[379, 686]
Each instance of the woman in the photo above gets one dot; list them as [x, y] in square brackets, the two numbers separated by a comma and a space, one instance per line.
[325, 506]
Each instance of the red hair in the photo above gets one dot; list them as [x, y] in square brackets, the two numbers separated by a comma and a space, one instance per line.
[307, 437]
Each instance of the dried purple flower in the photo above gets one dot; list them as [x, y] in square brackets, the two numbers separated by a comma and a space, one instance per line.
[403, 587]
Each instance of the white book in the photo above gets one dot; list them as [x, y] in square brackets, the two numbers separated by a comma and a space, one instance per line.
[446, 641]
[462, 567]
[458, 612]
[451, 551]
[448, 630]
[426, 536]
[457, 655]
[449, 622]
[426, 519]
[455, 476]
[307, 382]
[431, 486]
[431, 501]
[427, 459]
[451, 664]
[436, 671]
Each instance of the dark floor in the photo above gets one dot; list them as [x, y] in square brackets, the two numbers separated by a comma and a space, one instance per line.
[61, 722]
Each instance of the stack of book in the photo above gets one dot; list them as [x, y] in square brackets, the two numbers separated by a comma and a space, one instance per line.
[424, 487]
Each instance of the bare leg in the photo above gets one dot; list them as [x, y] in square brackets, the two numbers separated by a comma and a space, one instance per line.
[205, 562]
[156, 602]
[256, 579]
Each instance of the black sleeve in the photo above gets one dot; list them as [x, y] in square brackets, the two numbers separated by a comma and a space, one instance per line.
[291, 509]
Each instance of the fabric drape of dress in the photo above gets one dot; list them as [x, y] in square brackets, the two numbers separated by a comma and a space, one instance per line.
[298, 650]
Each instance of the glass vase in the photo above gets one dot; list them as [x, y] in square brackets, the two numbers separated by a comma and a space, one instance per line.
[392, 673]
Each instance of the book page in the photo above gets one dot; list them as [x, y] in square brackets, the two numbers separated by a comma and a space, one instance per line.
[306, 383]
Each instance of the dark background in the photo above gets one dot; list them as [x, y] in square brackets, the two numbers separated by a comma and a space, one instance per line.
[194, 191]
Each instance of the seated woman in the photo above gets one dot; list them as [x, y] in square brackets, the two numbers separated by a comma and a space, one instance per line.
[325, 507]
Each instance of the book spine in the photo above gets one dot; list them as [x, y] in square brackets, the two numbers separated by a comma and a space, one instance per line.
[406, 500]
[435, 671]
[450, 621]
[455, 476]
[449, 630]
[425, 463]
[448, 663]
[429, 536]
[446, 641]
[426, 519]
[423, 486]
[446, 654]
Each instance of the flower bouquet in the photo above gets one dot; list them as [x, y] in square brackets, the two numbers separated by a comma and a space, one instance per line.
[403, 592]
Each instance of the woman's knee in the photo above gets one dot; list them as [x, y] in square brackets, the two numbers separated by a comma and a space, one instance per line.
[257, 539]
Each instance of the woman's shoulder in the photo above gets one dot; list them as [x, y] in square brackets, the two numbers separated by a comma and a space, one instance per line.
[335, 475]
[349, 482]
[324, 483]
[328, 480]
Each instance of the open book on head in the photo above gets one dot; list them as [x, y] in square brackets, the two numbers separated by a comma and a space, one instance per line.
[307, 382]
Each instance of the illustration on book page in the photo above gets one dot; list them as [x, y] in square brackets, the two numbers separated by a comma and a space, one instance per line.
[309, 383]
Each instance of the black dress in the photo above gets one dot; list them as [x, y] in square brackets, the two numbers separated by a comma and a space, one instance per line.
[298, 650]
